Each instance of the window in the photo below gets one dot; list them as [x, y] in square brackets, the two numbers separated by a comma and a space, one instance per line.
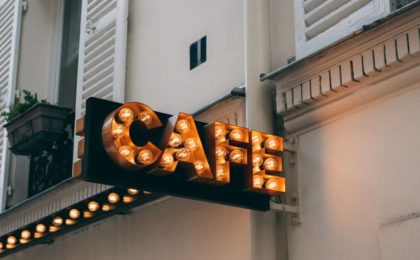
[198, 52]
[397, 4]
[69, 54]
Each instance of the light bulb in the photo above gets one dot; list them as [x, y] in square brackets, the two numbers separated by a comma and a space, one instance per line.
[258, 181]
[236, 135]
[87, 214]
[93, 206]
[106, 207]
[167, 160]
[183, 154]
[145, 156]
[272, 184]
[191, 144]
[57, 221]
[272, 143]
[127, 199]
[257, 159]
[74, 213]
[70, 221]
[53, 229]
[132, 191]
[182, 126]
[126, 151]
[23, 241]
[113, 197]
[37, 235]
[175, 140]
[256, 138]
[25, 234]
[219, 131]
[199, 166]
[118, 131]
[220, 173]
[126, 115]
[236, 156]
[40, 228]
[1, 245]
[220, 152]
[270, 164]
[11, 240]
[145, 117]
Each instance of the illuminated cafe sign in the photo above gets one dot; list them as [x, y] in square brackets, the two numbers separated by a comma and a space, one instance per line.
[130, 145]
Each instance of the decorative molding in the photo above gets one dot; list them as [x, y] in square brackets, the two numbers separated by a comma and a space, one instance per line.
[364, 59]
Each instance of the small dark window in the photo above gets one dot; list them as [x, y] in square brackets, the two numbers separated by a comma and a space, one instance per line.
[198, 52]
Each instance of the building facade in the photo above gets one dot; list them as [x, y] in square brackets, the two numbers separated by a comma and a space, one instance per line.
[341, 77]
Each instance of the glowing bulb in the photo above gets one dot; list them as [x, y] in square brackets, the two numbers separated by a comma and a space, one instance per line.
[183, 154]
[272, 143]
[74, 213]
[1, 245]
[113, 197]
[126, 115]
[182, 126]
[146, 192]
[167, 160]
[23, 241]
[126, 151]
[236, 135]
[87, 214]
[106, 207]
[132, 191]
[273, 184]
[219, 131]
[93, 206]
[145, 156]
[190, 144]
[257, 159]
[11, 240]
[258, 181]
[57, 221]
[118, 131]
[40, 228]
[175, 140]
[145, 117]
[70, 221]
[127, 199]
[52, 228]
[220, 152]
[220, 173]
[236, 156]
[199, 166]
[256, 138]
[270, 164]
[37, 235]
[25, 234]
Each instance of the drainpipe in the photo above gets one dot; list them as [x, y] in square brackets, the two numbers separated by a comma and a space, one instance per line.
[259, 113]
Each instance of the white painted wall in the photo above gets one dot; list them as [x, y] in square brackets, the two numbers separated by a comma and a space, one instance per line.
[159, 35]
[359, 177]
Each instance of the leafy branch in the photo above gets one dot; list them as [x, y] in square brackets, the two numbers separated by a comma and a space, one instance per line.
[19, 107]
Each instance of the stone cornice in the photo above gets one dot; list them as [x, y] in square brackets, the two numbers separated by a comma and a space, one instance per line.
[364, 59]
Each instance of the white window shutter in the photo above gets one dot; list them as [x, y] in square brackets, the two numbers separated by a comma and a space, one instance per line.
[10, 21]
[102, 51]
[320, 23]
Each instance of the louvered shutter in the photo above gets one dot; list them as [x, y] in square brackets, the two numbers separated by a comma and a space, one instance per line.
[322, 22]
[10, 18]
[102, 51]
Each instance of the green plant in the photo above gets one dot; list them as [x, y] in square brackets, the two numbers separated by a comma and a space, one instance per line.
[19, 107]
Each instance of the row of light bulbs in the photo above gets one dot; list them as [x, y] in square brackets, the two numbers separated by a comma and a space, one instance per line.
[74, 214]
